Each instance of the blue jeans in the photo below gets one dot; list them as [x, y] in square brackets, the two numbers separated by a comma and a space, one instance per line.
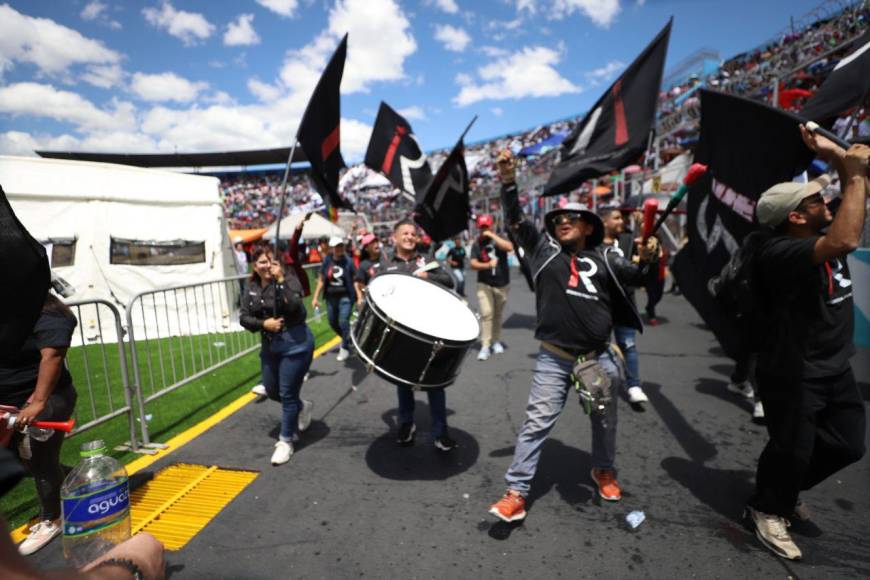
[625, 338]
[282, 376]
[338, 312]
[459, 275]
[437, 408]
[550, 387]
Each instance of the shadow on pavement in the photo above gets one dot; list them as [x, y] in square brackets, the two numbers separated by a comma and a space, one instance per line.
[692, 442]
[724, 490]
[517, 320]
[316, 431]
[421, 461]
[719, 389]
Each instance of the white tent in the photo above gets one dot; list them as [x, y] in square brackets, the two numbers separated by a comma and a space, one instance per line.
[317, 226]
[115, 231]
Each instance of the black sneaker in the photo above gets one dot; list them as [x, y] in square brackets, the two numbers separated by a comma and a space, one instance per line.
[445, 443]
[406, 434]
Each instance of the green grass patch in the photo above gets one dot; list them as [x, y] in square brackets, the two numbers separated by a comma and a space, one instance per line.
[168, 415]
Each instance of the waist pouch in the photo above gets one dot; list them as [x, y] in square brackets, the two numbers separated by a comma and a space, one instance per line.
[593, 384]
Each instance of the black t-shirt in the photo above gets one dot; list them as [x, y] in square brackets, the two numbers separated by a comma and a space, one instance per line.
[336, 275]
[456, 254]
[483, 250]
[573, 303]
[19, 371]
[367, 270]
[813, 319]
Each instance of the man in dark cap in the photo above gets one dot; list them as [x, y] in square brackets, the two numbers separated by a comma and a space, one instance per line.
[579, 297]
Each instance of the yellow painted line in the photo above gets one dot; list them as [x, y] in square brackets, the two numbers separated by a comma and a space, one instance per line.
[185, 437]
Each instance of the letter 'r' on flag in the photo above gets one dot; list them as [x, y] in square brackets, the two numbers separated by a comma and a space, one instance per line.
[394, 152]
[319, 132]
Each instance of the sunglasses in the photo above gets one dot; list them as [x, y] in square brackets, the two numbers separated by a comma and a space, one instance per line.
[567, 218]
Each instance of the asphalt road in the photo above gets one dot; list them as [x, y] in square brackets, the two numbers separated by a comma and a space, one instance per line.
[350, 503]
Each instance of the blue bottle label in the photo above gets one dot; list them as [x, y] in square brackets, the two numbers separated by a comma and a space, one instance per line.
[94, 509]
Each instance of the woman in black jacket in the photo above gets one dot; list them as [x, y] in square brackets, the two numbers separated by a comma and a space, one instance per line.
[287, 346]
[35, 380]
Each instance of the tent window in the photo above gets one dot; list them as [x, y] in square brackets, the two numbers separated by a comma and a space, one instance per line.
[63, 251]
[152, 253]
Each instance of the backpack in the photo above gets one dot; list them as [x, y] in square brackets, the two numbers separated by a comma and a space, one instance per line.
[736, 290]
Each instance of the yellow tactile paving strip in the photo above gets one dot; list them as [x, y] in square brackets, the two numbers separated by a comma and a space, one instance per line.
[182, 499]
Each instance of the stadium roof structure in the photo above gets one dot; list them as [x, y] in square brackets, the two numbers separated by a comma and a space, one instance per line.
[215, 159]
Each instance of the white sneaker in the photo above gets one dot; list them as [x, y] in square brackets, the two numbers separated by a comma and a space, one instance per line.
[343, 353]
[758, 410]
[306, 377]
[497, 348]
[744, 389]
[282, 453]
[636, 395]
[40, 534]
[305, 415]
[772, 530]
[484, 353]
[259, 390]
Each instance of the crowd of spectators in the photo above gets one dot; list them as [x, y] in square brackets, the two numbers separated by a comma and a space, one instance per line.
[798, 61]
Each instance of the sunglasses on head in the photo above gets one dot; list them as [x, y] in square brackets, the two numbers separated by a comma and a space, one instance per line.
[567, 218]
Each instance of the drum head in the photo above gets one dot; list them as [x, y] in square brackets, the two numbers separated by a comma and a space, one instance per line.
[424, 307]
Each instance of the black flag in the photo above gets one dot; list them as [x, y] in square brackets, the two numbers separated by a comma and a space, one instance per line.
[848, 85]
[319, 132]
[443, 208]
[749, 147]
[25, 274]
[615, 131]
[394, 152]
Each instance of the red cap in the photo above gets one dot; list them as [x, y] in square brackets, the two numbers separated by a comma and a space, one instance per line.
[484, 220]
[367, 239]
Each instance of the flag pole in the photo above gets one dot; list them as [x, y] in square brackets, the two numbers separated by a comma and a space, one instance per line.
[461, 137]
[277, 255]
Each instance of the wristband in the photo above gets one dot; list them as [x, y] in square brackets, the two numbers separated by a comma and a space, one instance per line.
[124, 563]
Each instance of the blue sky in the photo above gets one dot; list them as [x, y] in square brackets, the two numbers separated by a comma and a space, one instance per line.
[186, 75]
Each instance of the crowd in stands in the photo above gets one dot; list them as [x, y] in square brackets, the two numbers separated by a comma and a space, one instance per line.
[800, 59]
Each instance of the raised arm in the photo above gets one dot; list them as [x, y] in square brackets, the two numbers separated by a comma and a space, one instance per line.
[525, 233]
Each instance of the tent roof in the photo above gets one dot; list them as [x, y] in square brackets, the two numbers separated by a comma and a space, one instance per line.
[317, 226]
[59, 179]
[214, 159]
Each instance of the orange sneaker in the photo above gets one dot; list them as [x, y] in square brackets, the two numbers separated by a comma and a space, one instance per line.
[510, 508]
[607, 487]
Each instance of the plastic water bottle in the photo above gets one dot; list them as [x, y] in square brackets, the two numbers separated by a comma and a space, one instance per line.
[96, 506]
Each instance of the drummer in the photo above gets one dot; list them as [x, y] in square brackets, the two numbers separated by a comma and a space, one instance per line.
[406, 259]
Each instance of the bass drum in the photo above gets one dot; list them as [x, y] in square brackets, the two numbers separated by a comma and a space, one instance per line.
[413, 332]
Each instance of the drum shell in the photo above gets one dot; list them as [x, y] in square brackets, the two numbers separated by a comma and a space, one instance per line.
[400, 355]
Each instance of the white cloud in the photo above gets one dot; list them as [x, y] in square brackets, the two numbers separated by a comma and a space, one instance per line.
[448, 6]
[494, 51]
[51, 47]
[21, 143]
[93, 10]
[529, 6]
[529, 72]
[379, 41]
[189, 27]
[263, 91]
[463, 79]
[601, 12]
[497, 111]
[165, 87]
[39, 100]
[452, 37]
[103, 76]
[283, 7]
[414, 113]
[241, 32]
[605, 73]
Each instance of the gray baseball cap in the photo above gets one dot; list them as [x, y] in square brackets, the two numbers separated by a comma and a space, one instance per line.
[776, 203]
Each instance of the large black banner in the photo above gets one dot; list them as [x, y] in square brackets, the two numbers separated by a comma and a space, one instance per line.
[443, 208]
[319, 132]
[26, 276]
[749, 147]
[848, 85]
[394, 151]
[616, 130]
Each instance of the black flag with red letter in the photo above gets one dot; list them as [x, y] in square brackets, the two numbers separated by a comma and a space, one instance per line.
[319, 132]
[749, 147]
[615, 131]
[848, 85]
[443, 208]
[394, 152]
[25, 274]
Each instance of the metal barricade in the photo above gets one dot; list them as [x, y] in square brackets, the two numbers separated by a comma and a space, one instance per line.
[179, 334]
[99, 367]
